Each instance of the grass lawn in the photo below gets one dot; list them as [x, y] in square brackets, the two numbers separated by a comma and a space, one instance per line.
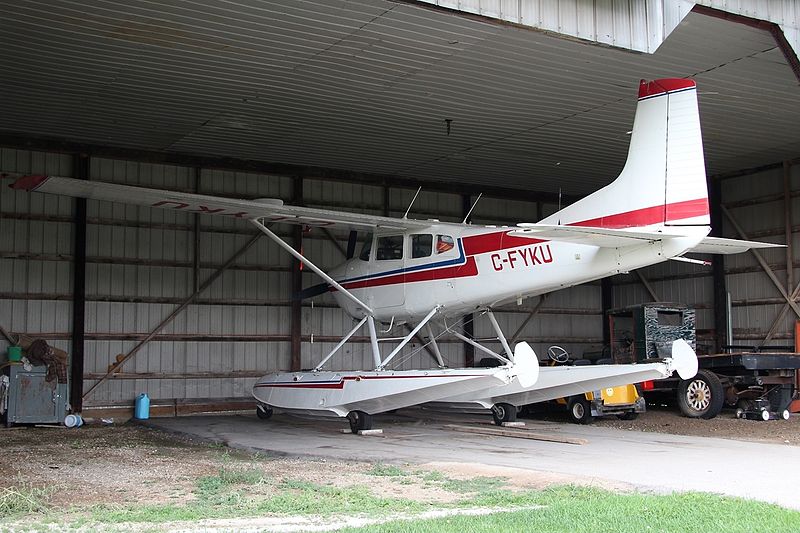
[578, 509]
[236, 493]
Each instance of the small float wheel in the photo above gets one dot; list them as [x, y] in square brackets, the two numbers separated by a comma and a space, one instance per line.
[503, 412]
[263, 412]
[359, 421]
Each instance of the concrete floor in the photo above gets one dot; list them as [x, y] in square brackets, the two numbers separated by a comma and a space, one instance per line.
[652, 461]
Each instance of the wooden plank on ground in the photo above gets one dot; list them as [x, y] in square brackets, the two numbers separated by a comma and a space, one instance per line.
[519, 433]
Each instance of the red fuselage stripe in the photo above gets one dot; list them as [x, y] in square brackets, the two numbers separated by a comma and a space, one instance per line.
[650, 215]
[470, 268]
[491, 242]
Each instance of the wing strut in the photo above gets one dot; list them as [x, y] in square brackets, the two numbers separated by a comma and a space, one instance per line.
[300, 257]
[500, 336]
[341, 343]
[408, 338]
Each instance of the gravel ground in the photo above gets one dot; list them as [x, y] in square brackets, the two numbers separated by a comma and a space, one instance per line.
[660, 419]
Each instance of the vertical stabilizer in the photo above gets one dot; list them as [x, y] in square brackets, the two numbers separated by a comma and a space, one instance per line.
[664, 179]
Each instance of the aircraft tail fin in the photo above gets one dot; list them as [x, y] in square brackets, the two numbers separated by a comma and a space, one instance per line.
[664, 179]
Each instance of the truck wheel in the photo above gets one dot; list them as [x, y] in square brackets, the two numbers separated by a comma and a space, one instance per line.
[701, 396]
[503, 412]
[580, 410]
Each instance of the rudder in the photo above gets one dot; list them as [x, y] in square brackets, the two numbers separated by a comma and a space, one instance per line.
[664, 180]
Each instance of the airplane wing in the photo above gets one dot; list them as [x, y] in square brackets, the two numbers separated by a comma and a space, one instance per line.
[268, 209]
[604, 237]
[718, 245]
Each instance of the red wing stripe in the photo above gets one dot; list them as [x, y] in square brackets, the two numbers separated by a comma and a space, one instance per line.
[28, 183]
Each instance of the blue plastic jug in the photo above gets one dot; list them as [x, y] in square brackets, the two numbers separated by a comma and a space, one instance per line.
[142, 407]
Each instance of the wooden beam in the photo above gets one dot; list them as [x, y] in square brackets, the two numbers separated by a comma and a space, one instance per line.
[468, 321]
[787, 216]
[81, 163]
[720, 291]
[296, 285]
[607, 303]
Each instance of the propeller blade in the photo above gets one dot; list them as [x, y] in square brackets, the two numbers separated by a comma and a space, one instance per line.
[310, 292]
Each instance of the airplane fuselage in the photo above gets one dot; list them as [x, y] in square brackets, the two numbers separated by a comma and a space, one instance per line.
[402, 276]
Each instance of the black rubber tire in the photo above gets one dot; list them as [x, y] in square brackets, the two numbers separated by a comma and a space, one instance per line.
[701, 396]
[263, 412]
[359, 421]
[504, 412]
[580, 410]
[630, 415]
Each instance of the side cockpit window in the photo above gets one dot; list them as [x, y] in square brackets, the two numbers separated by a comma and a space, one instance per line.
[389, 247]
[366, 249]
[421, 245]
[444, 243]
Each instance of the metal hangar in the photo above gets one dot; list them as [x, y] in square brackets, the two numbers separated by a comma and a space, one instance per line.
[354, 105]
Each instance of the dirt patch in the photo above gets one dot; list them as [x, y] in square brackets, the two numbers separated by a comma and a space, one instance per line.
[725, 426]
[521, 478]
[127, 464]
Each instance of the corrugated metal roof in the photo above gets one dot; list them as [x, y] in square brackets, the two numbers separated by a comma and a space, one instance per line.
[367, 85]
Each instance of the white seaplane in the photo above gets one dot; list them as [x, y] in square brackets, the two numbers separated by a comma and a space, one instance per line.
[430, 273]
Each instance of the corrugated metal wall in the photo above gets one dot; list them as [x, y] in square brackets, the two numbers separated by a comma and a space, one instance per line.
[35, 251]
[140, 267]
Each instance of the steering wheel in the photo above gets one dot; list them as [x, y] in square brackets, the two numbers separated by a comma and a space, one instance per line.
[558, 354]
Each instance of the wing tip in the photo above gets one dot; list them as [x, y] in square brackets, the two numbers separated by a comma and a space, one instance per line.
[29, 183]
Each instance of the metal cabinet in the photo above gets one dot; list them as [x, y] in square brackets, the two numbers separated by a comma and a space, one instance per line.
[34, 400]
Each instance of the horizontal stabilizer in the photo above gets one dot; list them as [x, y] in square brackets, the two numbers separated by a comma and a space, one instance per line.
[718, 245]
[604, 237]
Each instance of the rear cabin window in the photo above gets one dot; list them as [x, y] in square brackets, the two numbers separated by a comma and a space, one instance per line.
[421, 245]
[389, 247]
[444, 243]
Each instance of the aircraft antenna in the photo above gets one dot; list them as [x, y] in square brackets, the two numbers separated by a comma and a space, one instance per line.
[471, 208]
[412, 202]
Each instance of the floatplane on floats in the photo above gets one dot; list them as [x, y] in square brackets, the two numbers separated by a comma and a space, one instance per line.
[429, 274]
